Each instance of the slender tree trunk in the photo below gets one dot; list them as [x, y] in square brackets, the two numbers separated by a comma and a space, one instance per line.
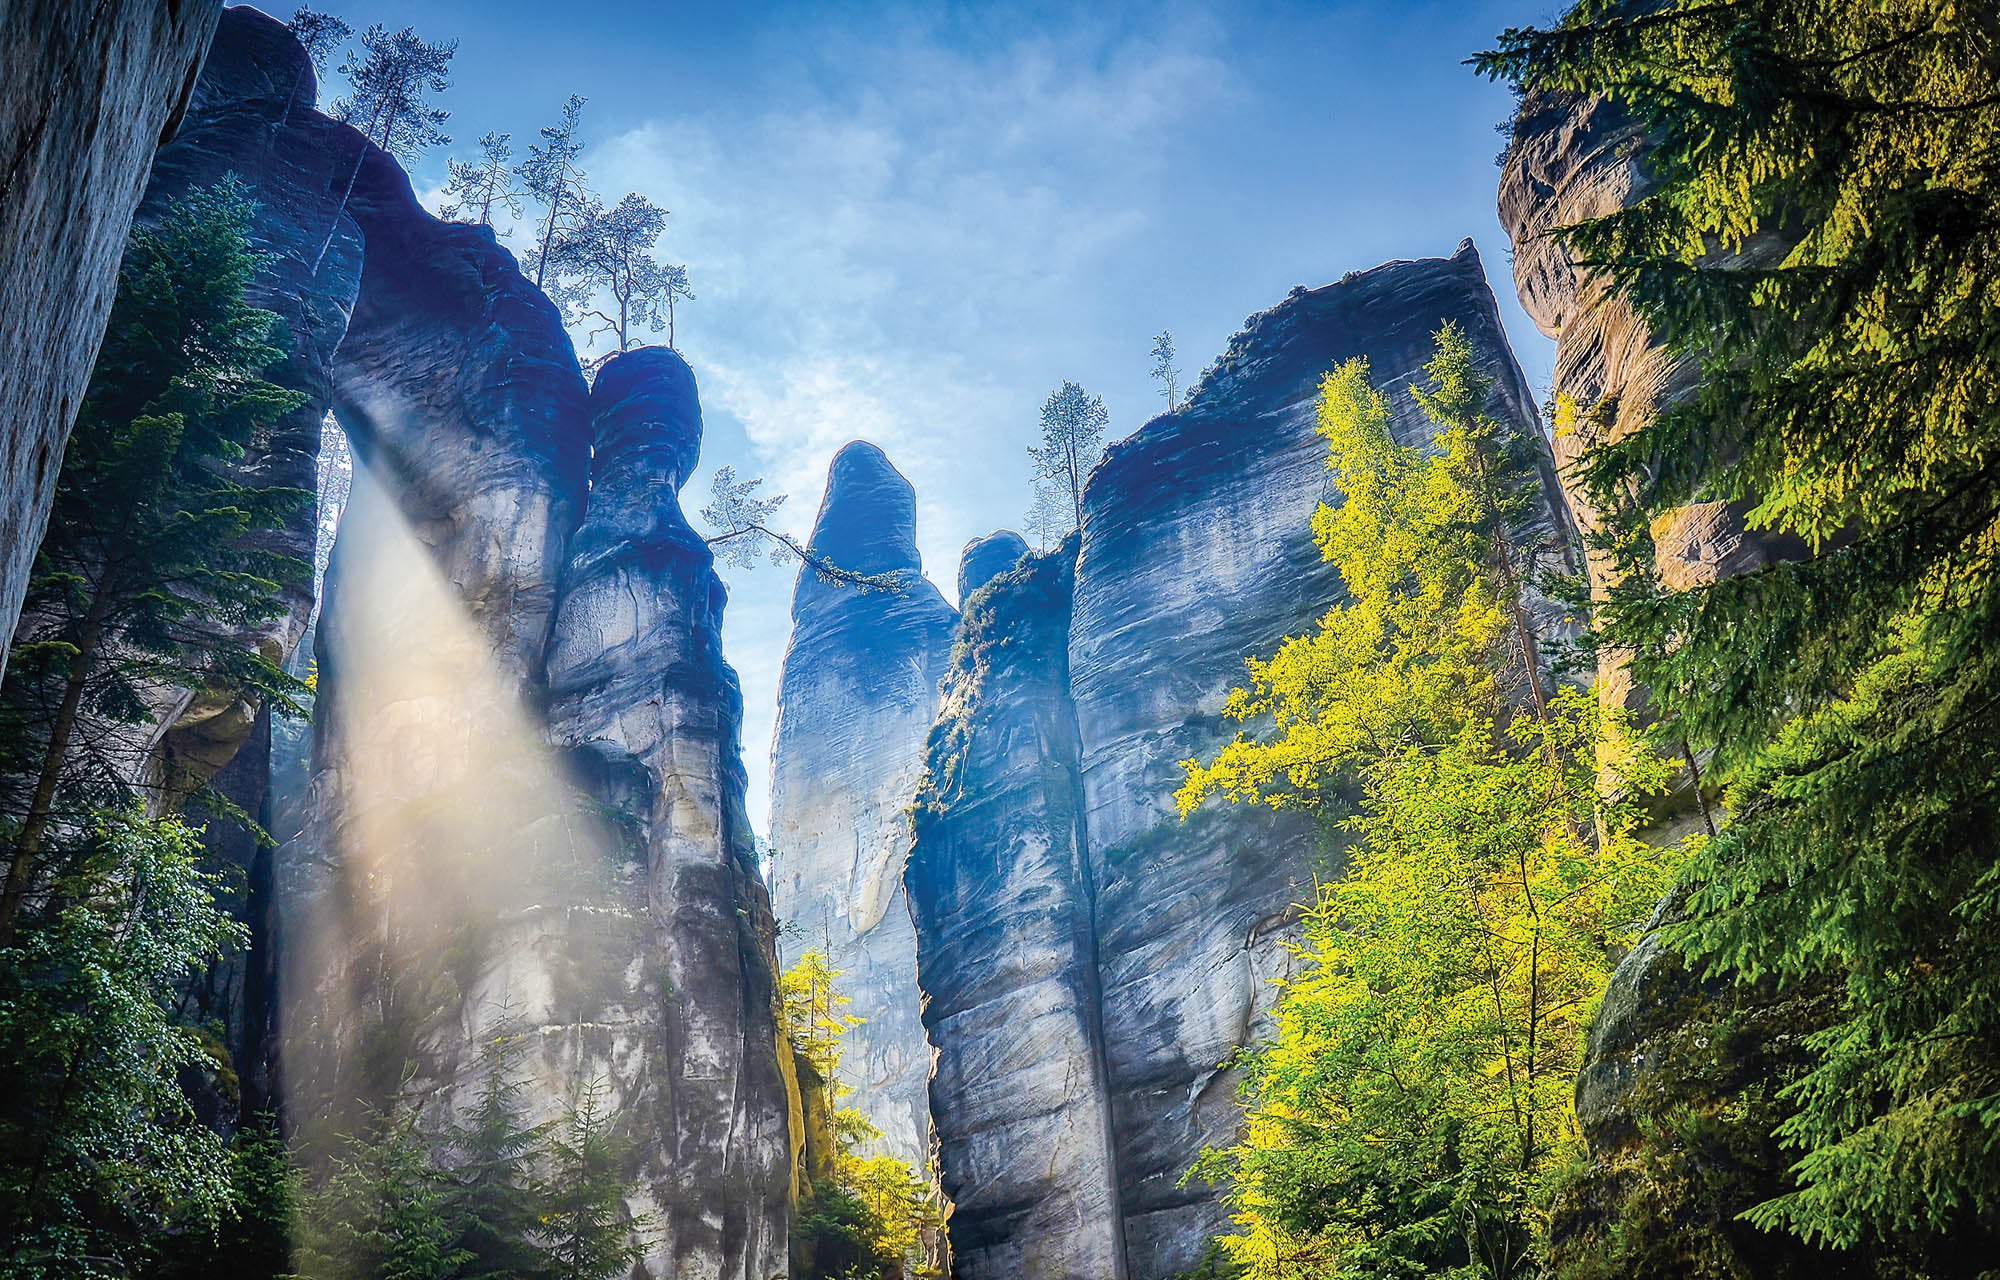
[1530, 652]
[1701, 801]
[34, 828]
[670, 321]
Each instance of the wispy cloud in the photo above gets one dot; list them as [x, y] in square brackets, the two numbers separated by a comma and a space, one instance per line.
[892, 252]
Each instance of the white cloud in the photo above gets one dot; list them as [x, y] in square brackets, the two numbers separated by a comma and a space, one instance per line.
[900, 264]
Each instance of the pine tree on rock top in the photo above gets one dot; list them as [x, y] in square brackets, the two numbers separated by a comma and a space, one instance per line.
[389, 88]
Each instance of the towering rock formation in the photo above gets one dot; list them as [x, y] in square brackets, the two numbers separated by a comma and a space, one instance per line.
[86, 94]
[858, 693]
[1196, 553]
[641, 696]
[1000, 888]
[526, 826]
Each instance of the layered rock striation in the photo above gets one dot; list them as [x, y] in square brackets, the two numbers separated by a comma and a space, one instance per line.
[1000, 889]
[857, 695]
[641, 698]
[87, 92]
[1196, 553]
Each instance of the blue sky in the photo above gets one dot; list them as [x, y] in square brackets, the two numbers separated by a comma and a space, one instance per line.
[909, 222]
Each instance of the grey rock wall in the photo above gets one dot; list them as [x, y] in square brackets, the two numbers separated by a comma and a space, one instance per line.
[87, 92]
[999, 883]
[641, 698]
[1196, 553]
[857, 695]
[525, 821]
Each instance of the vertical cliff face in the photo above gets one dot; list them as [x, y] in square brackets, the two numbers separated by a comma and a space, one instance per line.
[86, 94]
[244, 119]
[1000, 889]
[1196, 553]
[857, 695]
[641, 697]
[526, 817]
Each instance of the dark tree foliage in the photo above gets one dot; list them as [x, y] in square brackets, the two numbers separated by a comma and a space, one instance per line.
[478, 187]
[584, 1232]
[611, 253]
[383, 1211]
[253, 1239]
[493, 1201]
[101, 1156]
[553, 178]
[320, 33]
[389, 88]
[145, 578]
[1850, 396]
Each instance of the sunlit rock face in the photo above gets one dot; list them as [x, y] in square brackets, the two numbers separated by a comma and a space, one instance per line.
[642, 700]
[1572, 159]
[999, 884]
[86, 94]
[525, 825]
[858, 693]
[1196, 553]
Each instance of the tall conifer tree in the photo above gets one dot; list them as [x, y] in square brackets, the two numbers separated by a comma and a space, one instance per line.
[146, 570]
[1849, 397]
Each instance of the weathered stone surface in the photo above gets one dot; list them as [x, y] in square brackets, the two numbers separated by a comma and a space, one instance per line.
[86, 94]
[251, 117]
[1572, 159]
[1198, 553]
[986, 558]
[999, 884]
[640, 694]
[857, 695]
[459, 388]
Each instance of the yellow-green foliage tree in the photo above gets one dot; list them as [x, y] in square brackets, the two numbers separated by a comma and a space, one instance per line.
[1415, 1107]
[866, 1216]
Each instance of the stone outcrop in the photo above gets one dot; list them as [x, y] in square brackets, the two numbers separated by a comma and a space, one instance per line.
[1196, 553]
[525, 825]
[642, 699]
[999, 884]
[87, 92]
[986, 558]
[857, 695]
